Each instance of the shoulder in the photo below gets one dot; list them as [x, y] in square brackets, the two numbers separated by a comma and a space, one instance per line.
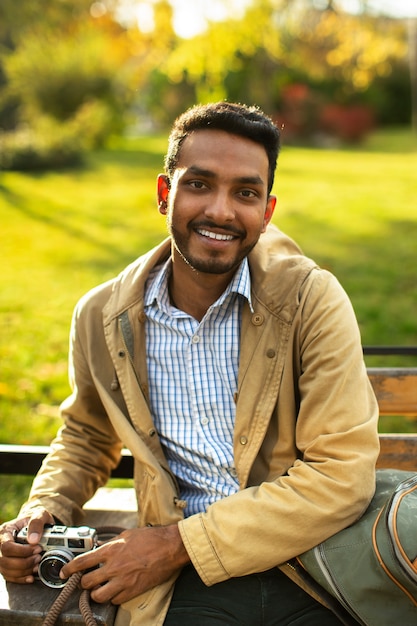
[279, 270]
[283, 278]
[125, 289]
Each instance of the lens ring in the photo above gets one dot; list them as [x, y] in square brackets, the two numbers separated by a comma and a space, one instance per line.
[51, 564]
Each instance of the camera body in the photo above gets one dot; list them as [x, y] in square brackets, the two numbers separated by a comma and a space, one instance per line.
[60, 545]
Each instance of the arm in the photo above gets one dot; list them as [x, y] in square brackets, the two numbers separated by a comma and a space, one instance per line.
[314, 472]
[81, 458]
[86, 448]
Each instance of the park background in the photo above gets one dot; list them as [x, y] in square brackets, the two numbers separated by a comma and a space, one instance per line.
[87, 94]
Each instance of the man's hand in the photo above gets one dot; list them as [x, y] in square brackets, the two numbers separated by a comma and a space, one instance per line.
[135, 561]
[19, 562]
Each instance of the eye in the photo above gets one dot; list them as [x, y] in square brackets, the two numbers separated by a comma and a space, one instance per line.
[196, 184]
[248, 193]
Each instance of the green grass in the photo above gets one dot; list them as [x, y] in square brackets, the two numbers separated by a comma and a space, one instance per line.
[353, 211]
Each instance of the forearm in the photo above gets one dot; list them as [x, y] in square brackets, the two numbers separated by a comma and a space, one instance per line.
[262, 527]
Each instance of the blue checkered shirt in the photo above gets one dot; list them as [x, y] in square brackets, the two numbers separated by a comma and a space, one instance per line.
[192, 371]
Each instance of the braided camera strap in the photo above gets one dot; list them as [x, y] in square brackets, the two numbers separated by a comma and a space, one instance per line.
[84, 604]
[73, 583]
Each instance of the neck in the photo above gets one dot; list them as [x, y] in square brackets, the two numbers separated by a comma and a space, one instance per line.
[194, 292]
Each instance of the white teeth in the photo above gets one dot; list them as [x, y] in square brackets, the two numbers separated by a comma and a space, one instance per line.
[207, 233]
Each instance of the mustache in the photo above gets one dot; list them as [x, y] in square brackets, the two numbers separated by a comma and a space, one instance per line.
[227, 229]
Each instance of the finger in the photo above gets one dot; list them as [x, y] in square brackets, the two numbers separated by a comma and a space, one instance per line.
[82, 562]
[113, 592]
[19, 569]
[11, 549]
[10, 530]
[107, 592]
[36, 525]
[20, 580]
[124, 596]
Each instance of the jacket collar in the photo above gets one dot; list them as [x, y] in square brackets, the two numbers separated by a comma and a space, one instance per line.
[277, 268]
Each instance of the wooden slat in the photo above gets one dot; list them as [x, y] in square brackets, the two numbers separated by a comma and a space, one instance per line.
[395, 389]
[26, 461]
[398, 451]
[27, 605]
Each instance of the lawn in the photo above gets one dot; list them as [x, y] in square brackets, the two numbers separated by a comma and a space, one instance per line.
[352, 210]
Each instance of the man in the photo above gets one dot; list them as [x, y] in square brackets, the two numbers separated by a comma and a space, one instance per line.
[231, 366]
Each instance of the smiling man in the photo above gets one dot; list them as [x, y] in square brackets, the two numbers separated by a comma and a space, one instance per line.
[231, 366]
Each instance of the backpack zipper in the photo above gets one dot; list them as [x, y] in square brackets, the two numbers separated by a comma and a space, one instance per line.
[322, 562]
[405, 486]
[401, 492]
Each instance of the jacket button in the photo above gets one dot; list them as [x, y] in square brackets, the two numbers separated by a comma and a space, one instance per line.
[142, 317]
[122, 354]
[243, 441]
[270, 353]
[257, 319]
[152, 432]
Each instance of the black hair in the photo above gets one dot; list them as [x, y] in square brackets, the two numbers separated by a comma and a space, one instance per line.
[237, 119]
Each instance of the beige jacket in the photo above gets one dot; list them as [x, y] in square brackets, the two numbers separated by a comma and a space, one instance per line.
[305, 439]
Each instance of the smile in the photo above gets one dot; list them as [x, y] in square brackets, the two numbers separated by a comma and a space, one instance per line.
[217, 236]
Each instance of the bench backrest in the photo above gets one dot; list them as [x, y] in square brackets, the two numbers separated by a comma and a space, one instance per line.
[396, 391]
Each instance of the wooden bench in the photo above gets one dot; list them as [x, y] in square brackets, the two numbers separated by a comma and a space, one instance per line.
[396, 391]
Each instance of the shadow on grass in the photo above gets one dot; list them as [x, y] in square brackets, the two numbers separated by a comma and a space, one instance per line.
[57, 221]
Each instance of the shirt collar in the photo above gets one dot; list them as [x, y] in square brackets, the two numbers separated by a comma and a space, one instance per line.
[157, 285]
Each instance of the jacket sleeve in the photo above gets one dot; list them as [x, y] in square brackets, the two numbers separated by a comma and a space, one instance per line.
[86, 447]
[325, 418]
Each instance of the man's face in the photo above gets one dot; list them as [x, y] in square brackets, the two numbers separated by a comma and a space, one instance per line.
[218, 203]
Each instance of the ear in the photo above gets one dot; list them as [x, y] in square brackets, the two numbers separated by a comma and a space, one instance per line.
[269, 211]
[162, 193]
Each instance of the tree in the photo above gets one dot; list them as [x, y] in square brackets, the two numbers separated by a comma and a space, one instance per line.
[81, 65]
[279, 42]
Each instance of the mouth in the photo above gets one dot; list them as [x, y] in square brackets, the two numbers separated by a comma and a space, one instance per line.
[216, 236]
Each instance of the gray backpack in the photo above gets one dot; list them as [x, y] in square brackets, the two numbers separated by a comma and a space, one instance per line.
[371, 566]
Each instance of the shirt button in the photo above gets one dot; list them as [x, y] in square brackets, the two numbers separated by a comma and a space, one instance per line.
[195, 339]
[204, 420]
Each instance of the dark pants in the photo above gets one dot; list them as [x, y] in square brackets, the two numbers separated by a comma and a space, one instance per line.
[266, 599]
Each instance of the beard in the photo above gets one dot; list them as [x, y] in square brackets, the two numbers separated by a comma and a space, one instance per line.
[211, 262]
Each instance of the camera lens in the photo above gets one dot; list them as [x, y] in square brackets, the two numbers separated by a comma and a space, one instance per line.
[50, 566]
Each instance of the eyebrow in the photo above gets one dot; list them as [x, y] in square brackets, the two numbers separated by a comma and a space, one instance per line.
[244, 180]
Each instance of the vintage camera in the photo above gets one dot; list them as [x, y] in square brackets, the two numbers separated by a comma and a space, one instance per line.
[60, 544]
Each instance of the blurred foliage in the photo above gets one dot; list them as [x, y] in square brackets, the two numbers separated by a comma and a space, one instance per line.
[89, 66]
[25, 149]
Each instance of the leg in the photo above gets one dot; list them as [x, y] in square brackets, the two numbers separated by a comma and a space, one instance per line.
[286, 604]
[220, 605]
[265, 599]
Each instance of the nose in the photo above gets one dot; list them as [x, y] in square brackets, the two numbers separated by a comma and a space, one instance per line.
[220, 208]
